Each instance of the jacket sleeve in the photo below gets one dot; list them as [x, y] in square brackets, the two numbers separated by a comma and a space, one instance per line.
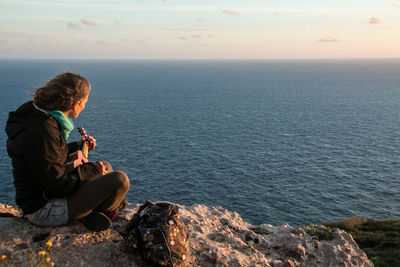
[87, 171]
[73, 146]
[46, 153]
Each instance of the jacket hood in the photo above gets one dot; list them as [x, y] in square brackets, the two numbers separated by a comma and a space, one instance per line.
[23, 118]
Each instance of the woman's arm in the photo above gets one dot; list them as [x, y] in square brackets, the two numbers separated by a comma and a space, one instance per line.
[46, 154]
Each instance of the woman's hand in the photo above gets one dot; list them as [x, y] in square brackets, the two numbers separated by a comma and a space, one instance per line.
[92, 142]
[103, 168]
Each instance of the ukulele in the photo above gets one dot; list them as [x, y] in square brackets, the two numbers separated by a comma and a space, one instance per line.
[81, 155]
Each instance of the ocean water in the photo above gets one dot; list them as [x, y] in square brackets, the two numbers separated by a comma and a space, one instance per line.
[277, 141]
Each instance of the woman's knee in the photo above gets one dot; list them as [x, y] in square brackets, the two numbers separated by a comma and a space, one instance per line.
[122, 180]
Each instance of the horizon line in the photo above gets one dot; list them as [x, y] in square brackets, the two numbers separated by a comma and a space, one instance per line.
[201, 59]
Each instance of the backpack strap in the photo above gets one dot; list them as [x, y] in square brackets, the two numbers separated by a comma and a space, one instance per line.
[137, 218]
[145, 206]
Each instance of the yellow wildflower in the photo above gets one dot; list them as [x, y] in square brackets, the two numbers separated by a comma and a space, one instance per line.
[49, 244]
[3, 257]
[42, 253]
[47, 259]
[52, 264]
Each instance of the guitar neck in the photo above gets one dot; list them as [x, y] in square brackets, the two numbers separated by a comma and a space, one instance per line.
[85, 148]
[85, 143]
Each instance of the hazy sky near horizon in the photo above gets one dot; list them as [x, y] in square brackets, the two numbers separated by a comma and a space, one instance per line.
[199, 29]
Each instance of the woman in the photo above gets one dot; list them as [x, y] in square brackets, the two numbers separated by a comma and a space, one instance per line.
[46, 192]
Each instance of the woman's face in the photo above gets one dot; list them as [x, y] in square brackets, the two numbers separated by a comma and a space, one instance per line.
[78, 107]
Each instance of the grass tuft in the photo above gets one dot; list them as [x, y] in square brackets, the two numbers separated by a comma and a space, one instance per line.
[261, 231]
[379, 239]
[321, 232]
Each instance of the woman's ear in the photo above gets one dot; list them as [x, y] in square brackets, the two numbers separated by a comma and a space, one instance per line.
[75, 106]
[71, 113]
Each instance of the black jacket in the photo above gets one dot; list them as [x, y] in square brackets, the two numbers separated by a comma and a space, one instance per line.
[39, 151]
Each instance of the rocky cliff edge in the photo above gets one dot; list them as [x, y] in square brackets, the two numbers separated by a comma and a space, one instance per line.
[218, 237]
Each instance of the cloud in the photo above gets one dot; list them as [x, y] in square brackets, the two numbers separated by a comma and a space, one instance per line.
[396, 5]
[101, 42]
[328, 39]
[88, 22]
[2, 41]
[196, 36]
[200, 20]
[117, 21]
[140, 41]
[375, 20]
[72, 26]
[230, 12]
[277, 14]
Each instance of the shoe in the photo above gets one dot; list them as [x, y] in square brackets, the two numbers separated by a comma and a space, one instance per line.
[96, 221]
[114, 214]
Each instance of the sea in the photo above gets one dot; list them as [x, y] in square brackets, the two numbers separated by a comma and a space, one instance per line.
[278, 141]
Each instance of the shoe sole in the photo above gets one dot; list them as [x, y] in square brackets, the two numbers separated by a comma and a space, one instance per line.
[97, 221]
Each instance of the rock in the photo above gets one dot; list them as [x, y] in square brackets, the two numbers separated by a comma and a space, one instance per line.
[218, 238]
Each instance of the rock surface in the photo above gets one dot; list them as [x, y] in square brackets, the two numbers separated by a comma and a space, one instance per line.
[218, 238]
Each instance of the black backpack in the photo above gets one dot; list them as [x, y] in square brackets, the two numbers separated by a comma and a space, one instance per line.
[159, 234]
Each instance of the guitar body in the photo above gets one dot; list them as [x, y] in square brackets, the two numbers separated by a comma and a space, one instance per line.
[80, 156]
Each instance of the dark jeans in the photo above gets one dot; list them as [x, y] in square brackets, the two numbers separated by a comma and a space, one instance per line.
[103, 194]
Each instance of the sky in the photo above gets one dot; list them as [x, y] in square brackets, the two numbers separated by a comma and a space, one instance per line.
[199, 29]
